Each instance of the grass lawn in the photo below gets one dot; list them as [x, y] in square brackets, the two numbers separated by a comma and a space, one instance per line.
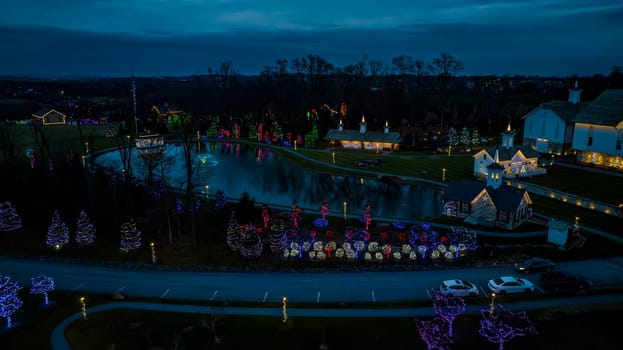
[573, 328]
[598, 186]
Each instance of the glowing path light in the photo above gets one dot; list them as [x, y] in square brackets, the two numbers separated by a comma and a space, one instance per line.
[284, 309]
[345, 209]
[443, 175]
[83, 308]
[152, 246]
[333, 157]
[492, 305]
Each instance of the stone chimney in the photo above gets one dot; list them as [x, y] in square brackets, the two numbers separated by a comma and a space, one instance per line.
[386, 128]
[362, 125]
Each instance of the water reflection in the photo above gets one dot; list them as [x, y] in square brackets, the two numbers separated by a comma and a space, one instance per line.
[269, 178]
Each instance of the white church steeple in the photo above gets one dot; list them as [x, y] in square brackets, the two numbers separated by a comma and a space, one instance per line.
[508, 137]
[574, 94]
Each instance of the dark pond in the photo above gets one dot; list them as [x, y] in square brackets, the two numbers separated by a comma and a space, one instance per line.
[270, 178]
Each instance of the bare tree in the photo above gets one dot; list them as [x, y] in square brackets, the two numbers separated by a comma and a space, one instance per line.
[444, 68]
[189, 145]
[9, 149]
[224, 76]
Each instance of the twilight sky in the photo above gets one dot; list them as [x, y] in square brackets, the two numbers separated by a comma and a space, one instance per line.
[183, 37]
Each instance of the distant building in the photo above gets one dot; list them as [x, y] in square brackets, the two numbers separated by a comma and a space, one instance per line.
[489, 203]
[48, 116]
[593, 131]
[517, 161]
[364, 139]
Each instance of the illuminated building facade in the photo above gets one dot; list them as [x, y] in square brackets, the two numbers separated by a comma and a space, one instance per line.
[364, 139]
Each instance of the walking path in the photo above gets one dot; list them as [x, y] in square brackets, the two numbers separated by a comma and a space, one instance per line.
[59, 342]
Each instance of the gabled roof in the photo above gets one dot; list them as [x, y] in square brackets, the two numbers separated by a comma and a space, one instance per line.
[505, 197]
[368, 136]
[508, 153]
[606, 109]
[567, 111]
[44, 111]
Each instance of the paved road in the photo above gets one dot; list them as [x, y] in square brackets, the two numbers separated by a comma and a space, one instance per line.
[271, 287]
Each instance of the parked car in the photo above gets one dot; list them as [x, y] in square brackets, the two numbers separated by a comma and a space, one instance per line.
[458, 288]
[535, 264]
[510, 284]
[559, 280]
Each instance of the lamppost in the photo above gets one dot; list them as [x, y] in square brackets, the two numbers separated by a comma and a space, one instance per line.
[492, 305]
[152, 246]
[443, 175]
[345, 208]
[83, 308]
[333, 157]
[207, 191]
[284, 309]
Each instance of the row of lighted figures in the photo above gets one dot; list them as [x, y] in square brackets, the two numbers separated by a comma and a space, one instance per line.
[600, 159]
[373, 251]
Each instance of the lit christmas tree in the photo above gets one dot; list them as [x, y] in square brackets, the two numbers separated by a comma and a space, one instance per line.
[214, 126]
[9, 219]
[465, 138]
[58, 233]
[500, 326]
[475, 138]
[42, 285]
[9, 300]
[453, 137]
[233, 232]
[85, 231]
[130, 236]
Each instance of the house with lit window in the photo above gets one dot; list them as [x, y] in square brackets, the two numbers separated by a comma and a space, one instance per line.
[516, 161]
[363, 138]
[490, 203]
[598, 131]
[49, 116]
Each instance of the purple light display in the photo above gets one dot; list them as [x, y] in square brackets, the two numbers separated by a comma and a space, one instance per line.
[501, 326]
[58, 233]
[448, 308]
[9, 300]
[42, 285]
[85, 231]
[434, 333]
[9, 219]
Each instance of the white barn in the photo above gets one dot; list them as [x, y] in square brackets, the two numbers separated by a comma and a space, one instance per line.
[549, 127]
[598, 131]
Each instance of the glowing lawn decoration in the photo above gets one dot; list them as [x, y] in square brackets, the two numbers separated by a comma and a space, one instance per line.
[434, 333]
[58, 233]
[85, 231]
[448, 308]
[9, 301]
[83, 308]
[9, 219]
[501, 325]
[130, 236]
[42, 285]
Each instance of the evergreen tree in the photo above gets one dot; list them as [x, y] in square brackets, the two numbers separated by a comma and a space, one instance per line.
[58, 233]
[214, 126]
[453, 137]
[465, 139]
[311, 139]
[9, 300]
[233, 232]
[221, 199]
[85, 231]
[9, 219]
[475, 138]
[130, 236]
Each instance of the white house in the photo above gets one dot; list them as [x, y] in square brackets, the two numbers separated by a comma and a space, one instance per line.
[598, 131]
[549, 127]
[517, 161]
